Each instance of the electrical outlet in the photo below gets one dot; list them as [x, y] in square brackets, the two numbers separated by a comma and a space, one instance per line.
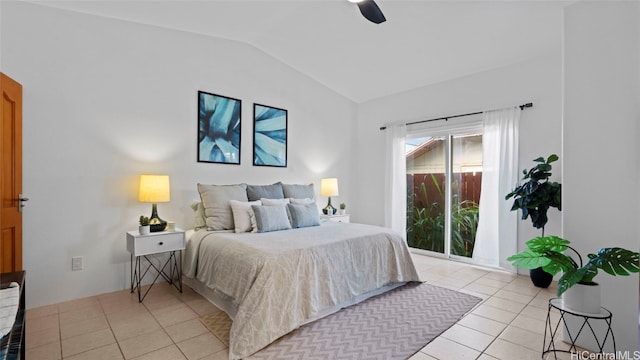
[77, 263]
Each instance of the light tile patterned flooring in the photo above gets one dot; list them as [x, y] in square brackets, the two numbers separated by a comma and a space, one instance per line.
[508, 324]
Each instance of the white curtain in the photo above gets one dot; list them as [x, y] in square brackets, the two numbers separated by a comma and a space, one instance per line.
[497, 234]
[395, 181]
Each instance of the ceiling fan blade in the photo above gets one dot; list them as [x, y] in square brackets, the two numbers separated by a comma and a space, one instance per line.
[371, 11]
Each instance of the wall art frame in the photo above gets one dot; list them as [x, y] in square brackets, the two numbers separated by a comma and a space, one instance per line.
[219, 128]
[270, 127]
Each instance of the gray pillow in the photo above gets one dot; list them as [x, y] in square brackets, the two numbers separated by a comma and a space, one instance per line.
[256, 192]
[215, 199]
[304, 215]
[298, 191]
[271, 218]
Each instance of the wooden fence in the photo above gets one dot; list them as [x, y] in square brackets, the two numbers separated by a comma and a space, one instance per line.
[465, 185]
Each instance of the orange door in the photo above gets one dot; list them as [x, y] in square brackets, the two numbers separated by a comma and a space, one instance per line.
[11, 175]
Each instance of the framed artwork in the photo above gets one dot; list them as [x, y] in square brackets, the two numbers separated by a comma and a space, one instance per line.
[269, 136]
[218, 129]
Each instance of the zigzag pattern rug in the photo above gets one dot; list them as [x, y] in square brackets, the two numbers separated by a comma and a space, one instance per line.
[394, 325]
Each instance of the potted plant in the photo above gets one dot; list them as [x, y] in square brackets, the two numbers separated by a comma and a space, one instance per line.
[534, 196]
[144, 227]
[343, 209]
[584, 296]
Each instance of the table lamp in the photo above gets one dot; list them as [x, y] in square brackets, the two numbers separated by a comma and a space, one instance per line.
[329, 188]
[155, 189]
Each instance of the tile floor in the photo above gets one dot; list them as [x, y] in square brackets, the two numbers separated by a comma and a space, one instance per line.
[508, 324]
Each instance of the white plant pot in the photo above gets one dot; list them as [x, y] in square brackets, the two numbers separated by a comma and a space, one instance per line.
[144, 230]
[342, 212]
[582, 298]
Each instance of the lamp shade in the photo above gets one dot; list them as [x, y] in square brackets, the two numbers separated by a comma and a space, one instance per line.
[154, 188]
[329, 187]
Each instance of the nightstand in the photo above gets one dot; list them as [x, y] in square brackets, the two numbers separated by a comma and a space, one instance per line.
[141, 246]
[336, 218]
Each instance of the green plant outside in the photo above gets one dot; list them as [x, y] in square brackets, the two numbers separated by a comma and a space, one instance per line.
[426, 225]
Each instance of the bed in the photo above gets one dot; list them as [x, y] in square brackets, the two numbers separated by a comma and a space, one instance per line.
[271, 283]
[262, 255]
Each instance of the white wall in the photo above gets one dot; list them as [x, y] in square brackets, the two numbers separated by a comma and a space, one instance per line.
[537, 81]
[600, 144]
[107, 100]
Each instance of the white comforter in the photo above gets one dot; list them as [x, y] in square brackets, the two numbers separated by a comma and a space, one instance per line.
[277, 280]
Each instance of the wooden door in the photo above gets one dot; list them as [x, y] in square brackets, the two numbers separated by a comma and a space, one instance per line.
[11, 175]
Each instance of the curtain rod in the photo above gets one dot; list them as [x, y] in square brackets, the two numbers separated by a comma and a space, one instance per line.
[445, 118]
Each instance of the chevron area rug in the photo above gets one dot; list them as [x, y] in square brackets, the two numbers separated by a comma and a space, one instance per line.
[393, 325]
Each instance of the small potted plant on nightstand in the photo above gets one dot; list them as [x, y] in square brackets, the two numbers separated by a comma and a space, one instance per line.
[343, 209]
[144, 227]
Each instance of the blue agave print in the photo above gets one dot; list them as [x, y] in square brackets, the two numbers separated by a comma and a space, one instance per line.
[218, 129]
[270, 136]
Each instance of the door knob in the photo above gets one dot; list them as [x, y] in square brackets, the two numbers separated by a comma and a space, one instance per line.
[22, 199]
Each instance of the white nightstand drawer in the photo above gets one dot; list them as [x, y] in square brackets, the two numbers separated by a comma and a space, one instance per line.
[337, 218]
[154, 243]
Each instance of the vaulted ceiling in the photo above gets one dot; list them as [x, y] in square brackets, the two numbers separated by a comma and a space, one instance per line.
[421, 43]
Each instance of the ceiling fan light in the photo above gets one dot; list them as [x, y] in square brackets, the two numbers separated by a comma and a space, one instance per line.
[356, 1]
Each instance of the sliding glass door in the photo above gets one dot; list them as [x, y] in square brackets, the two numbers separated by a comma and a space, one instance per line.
[444, 174]
[426, 188]
[466, 171]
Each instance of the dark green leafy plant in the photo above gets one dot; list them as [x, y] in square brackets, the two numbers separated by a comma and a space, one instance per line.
[547, 252]
[537, 194]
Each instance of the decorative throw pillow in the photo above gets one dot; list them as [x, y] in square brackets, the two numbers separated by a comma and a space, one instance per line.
[199, 221]
[304, 215]
[215, 199]
[271, 218]
[242, 213]
[298, 191]
[301, 201]
[274, 202]
[256, 192]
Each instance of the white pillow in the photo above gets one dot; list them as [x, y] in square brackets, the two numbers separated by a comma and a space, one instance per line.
[274, 202]
[304, 201]
[199, 219]
[242, 215]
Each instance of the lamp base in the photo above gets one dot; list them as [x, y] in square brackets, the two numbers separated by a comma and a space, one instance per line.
[329, 209]
[156, 224]
[158, 227]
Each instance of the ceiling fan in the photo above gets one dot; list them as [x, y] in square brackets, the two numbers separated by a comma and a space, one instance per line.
[370, 10]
